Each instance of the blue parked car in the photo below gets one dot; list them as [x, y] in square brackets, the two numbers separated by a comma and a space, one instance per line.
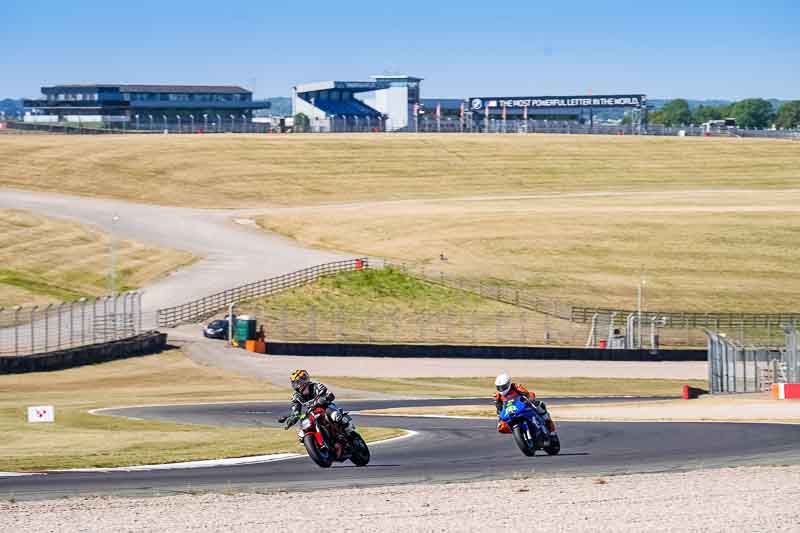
[218, 329]
[528, 428]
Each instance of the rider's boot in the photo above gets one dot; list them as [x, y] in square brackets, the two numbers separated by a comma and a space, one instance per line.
[347, 425]
[545, 414]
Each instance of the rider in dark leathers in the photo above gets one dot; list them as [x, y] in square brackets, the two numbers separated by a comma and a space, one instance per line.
[311, 393]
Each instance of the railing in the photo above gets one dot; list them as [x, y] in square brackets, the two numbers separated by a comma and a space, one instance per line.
[208, 306]
[486, 289]
[693, 319]
[733, 367]
[41, 329]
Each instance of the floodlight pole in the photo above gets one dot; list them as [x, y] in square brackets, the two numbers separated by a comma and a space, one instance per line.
[230, 323]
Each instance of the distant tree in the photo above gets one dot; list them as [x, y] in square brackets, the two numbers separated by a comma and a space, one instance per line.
[789, 115]
[676, 113]
[655, 117]
[301, 123]
[703, 114]
[753, 113]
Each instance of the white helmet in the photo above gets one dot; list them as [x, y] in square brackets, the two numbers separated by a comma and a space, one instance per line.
[503, 383]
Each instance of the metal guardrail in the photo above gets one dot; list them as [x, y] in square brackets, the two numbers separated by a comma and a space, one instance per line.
[41, 329]
[208, 306]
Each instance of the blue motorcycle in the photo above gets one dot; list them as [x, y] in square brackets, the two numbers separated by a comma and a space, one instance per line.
[521, 419]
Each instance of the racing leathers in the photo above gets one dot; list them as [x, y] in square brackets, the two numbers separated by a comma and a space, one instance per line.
[315, 393]
[519, 390]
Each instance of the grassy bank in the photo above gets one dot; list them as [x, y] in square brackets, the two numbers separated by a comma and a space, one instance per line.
[390, 306]
[47, 260]
[79, 440]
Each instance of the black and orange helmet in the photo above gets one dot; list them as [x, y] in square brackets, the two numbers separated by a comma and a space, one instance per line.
[299, 379]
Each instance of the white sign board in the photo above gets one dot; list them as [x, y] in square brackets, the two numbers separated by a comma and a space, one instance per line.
[41, 413]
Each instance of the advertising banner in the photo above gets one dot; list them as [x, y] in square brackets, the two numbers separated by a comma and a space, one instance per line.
[477, 104]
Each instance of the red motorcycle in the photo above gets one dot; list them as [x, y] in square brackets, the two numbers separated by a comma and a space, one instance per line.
[325, 441]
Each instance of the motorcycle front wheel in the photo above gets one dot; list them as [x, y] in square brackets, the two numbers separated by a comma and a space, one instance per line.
[321, 456]
[526, 444]
[360, 455]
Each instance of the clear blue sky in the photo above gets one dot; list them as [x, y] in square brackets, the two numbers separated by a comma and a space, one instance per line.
[700, 49]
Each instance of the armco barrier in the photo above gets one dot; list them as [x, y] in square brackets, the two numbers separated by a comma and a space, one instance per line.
[144, 344]
[477, 352]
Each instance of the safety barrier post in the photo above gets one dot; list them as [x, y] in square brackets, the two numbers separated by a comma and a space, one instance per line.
[33, 335]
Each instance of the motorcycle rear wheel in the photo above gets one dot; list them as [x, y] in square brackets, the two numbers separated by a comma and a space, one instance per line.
[527, 445]
[321, 456]
[360, 455]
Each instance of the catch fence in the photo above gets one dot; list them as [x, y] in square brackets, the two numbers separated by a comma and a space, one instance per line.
[41, 329]
[390, 325]
[734, 368]
[208, 306]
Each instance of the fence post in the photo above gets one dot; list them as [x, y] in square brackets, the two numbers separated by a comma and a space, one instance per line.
[105, 318]
[33, 333]
[60, 314]
[125, 315]
[94, 320]
[46, 326]
[83, 320]
[139, 302]
[16, 329]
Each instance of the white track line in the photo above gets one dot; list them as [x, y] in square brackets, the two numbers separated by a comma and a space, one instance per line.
[209, 463]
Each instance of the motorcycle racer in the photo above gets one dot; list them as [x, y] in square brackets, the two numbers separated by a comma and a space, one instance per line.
[312, 392]
[506, 390]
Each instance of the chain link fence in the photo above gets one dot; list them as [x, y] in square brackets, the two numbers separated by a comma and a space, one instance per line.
[379, 324]
[734, 367]
[42, 329]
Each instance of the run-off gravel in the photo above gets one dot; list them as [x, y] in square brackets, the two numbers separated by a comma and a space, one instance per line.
[733, 499]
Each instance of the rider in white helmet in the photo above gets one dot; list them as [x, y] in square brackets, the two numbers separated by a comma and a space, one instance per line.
[507, 389]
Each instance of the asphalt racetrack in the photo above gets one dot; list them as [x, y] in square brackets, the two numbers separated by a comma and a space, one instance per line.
[443, 449]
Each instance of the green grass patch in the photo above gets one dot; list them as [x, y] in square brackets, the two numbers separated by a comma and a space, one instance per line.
[359, 291]
[34, 285]
[543, 387]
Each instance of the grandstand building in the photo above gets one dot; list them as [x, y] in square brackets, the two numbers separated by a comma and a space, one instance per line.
[142, 104]
[386, 103]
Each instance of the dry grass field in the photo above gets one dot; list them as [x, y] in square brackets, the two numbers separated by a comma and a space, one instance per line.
[710, 223]
[45, 260]
[248, 170]
[80, 440]
[704, 251]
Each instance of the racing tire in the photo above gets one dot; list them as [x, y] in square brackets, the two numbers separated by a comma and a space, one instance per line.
[321, 456]
[554, 447]
[360, 455]
[527, 445]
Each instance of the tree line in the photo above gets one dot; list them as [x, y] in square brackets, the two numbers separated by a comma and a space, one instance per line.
[751, 113]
